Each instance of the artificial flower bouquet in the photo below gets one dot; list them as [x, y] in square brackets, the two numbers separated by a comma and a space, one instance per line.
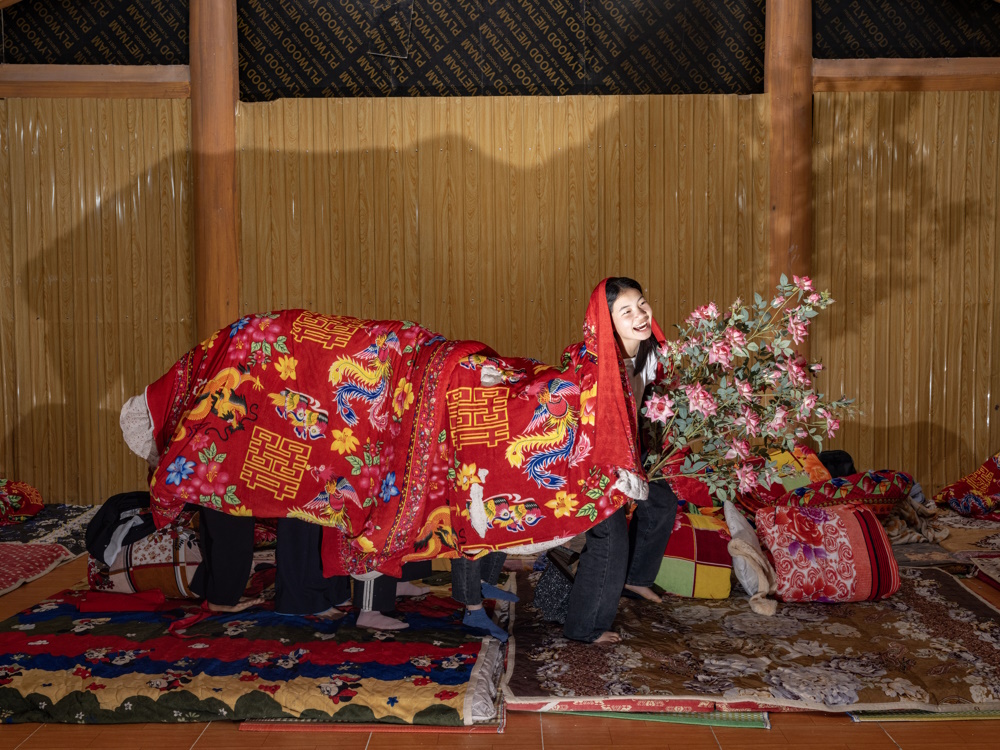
[734, 390]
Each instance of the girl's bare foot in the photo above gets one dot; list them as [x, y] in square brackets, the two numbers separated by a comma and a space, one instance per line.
[372, 620]
[608, 638]
[645, 592]
[238, 607]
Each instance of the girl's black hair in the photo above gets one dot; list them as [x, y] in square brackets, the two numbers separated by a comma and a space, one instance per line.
[613, 287]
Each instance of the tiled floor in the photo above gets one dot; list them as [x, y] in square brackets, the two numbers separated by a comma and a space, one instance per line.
[524, 731]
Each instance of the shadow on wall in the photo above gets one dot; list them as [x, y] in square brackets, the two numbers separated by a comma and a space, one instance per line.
[500, 240]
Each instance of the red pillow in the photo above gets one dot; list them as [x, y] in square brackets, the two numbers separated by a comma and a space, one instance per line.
[835, 554]
[18, 502]
[977, 494]
[879, 491]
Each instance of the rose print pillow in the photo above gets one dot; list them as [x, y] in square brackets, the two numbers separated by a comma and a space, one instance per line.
[835, 554]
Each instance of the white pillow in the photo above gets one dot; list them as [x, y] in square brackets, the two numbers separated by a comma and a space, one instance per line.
[750, 565]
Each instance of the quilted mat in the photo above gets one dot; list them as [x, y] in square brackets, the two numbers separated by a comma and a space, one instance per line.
[58, 664]
[20, 563]
[933, 646]
[55, 524]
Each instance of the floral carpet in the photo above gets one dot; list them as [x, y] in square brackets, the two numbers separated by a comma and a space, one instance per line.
[58, 664]
[55, 524]
[933, 646]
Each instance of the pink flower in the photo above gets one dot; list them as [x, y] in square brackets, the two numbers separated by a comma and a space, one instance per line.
[738, 449]
[802, 282]
[780, 419]
[700, 400]
[816, 367]
[721, 353]
[800, 433]
[750, 421]
[813, 298]
[706, 312]
[832, 425]
[735, 337]
[778, 301]
[808, 403]
[798, 329]
[747, 477]
[796, 370]
[659, 408]
[743, 388]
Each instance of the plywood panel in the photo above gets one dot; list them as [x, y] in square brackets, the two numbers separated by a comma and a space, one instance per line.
[483, 218]
[905, 207]
[96, 244]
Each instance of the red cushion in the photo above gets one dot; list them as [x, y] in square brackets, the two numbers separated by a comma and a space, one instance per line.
[18, 502]
[977, 494]
[836, 554]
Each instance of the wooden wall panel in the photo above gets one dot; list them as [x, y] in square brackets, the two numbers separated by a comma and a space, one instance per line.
[97, 268]
[906, 203]
[493, 218]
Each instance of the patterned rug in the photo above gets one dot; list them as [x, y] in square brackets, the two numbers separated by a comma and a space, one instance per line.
[58, 664]
[54, 524]
[934, 646]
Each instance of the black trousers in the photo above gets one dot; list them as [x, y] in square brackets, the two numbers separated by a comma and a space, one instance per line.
[608, 561]
[226, 556]
[299, 585]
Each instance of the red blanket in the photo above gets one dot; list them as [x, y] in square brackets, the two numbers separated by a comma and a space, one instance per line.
[385, 432]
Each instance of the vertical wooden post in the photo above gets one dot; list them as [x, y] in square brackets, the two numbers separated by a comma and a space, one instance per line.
[214, 97]
[788, 81]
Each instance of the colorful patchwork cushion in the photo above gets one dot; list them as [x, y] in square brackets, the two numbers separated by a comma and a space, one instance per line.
[836, 554]
[697, 562]
[18, 502]
[977, 494]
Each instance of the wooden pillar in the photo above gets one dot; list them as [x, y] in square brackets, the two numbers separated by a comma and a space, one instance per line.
[788, 81]
[214, 97]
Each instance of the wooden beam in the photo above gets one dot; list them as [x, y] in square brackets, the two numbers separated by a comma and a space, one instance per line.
[214, 98]
[95, 81]
[895, 74]
[788, 81]
[8, 3]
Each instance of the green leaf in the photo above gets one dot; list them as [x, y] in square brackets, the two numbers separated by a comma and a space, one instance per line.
[408, 349]
[369, 501]
[442, 436]
[255, 346]
[589, 510]
[220, 458]
[594, 494]
[280, 344]
[452, 474]
[752, 346]
[783, 280]
[267, 349]
[604, 482]
[356, 465]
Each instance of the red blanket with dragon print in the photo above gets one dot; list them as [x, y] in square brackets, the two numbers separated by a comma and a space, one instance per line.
[385, 433]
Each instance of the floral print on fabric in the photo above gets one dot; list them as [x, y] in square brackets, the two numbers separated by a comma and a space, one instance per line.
[901, 653]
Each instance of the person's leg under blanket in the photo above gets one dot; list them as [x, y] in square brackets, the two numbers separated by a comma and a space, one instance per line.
[474, 580]
[600, 577]
[227, 558]
[299, 585]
